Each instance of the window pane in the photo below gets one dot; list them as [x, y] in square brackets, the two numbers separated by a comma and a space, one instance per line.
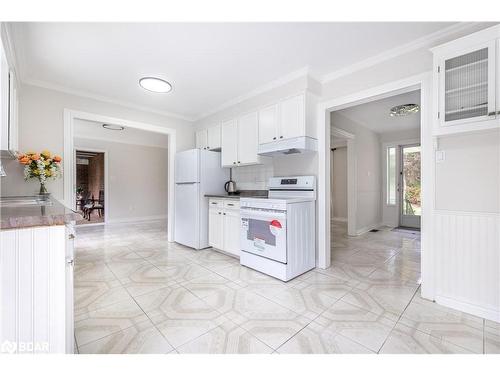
[391, 175]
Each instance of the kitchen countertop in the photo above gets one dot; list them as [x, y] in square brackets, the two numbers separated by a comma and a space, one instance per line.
[243, 193]
[24, 216]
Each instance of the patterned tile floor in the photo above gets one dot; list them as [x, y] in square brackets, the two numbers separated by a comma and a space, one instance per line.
[137, 293]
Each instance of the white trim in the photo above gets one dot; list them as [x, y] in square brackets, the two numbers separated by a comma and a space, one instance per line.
[339, 219]
[490, 314]
[368, 228]
[303, 72]
[106, 177]
[126, 142]
[422, 82]
[423, 42]
[137, 219]
[352, 177]
[68, 156]
[103, 98]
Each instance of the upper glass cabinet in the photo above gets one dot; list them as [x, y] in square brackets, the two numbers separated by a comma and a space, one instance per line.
[467, 86]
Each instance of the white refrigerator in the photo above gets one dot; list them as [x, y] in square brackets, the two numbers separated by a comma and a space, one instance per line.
[197, 172]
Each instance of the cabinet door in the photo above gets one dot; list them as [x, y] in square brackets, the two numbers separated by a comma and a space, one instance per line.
[292, 117]
[214, 136]
[467, 86]
[201, 139]
[215, 228]
[232, 232]
[268, 124]
[229, 143]
[248, 139]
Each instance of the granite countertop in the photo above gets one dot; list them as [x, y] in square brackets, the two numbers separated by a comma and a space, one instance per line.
[243, 193]
[23, 216]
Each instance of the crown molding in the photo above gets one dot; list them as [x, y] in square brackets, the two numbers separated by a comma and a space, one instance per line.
[426, 41]
[102, 98]
[303, 72]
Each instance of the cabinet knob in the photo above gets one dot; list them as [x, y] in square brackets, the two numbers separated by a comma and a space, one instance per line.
[224, 214]
[239, 162]
[281, 136]
[219, 213]
[208, 148]
[274, 138]
[492, 113]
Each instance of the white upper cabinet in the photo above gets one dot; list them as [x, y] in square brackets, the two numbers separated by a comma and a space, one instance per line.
[8, 105]
[268, 124]
[466, 83]
[202, 139]
[248, 139]
[240, 138]
[209, 139]
[214, 137]
[292, 117]
[229, 150]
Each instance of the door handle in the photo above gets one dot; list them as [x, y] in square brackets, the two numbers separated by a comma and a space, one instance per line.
[71, 236]
[70, 262]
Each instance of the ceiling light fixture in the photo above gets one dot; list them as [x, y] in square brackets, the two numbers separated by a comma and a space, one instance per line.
[113, 127]
[155, 84]
[404, 110]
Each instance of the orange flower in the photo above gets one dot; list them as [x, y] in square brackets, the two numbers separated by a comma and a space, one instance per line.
[35, 157]
[21, 156]
[24, 160]
[57, 158]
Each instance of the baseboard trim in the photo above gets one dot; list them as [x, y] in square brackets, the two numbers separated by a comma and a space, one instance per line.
[340, 219]
[482, 312]
[361, 231]
[136, 219]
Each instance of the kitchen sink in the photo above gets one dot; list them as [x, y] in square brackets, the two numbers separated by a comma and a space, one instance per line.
[35, 200]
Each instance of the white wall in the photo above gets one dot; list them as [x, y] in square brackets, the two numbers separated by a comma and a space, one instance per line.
[339, 183]
[137, 179]
[41, 127]
[369, 172]
[469, 177]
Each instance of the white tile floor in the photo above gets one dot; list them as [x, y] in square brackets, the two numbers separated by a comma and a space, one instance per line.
[137, 293]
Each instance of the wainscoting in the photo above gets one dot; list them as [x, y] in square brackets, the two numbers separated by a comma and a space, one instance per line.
[467, 248]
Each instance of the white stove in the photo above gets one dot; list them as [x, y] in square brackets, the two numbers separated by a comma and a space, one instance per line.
[278, 232]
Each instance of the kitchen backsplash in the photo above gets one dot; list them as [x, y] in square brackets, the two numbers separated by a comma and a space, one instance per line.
[253, 177]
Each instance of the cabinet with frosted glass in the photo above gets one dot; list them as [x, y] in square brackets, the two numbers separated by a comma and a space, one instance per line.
[466, 83]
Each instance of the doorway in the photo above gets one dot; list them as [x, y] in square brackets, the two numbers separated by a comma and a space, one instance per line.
[409, 186]
[90, 191]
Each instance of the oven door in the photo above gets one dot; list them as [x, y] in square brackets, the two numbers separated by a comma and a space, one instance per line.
[263, 232]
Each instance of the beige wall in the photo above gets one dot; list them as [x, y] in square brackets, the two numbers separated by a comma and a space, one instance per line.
[137, 179]
[339, 182]
[96, 175]
[41, 126]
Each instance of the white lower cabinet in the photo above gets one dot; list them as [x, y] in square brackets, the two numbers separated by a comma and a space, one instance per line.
[224, 225]
[36, 290]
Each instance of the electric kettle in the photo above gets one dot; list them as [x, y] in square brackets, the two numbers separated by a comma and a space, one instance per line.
[230, 187]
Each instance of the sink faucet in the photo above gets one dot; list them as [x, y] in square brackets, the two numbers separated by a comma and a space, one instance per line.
[2, 171]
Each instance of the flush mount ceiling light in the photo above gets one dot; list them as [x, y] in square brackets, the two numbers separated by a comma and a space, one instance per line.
[404, 110]
[155, 84]
[112, 127]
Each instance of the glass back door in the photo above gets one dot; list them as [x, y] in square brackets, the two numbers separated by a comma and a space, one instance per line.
[409, 186]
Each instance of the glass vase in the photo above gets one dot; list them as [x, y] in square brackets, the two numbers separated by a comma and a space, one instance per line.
[43, 189]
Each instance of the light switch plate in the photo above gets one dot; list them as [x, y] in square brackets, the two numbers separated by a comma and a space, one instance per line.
[440, 156]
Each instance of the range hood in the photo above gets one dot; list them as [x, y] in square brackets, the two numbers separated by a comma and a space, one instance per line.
[298, 145]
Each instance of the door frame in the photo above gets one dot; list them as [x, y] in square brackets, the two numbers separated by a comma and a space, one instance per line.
[352, 183]
[106, 185]
[68, 152]
[400, 167]
[423, 82]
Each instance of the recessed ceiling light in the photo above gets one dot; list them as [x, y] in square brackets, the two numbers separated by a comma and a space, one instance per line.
[404, 110]
[112, 127]
[155, 84]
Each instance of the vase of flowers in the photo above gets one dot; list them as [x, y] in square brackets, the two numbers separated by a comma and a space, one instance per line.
[42, 166]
